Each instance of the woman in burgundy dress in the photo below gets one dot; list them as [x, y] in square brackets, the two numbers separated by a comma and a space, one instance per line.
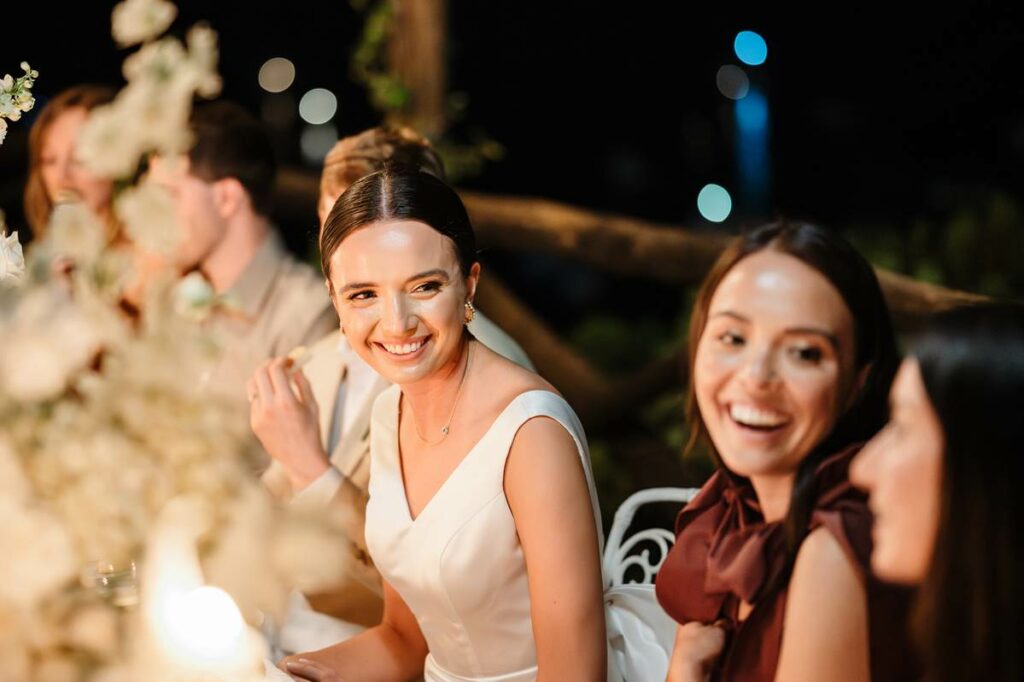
[791, 356]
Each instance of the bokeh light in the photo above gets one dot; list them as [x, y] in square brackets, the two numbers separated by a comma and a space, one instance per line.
[750, 48]
[714, 203]
[318, 106]
[752, 112]
[316, 141]
[732, 82]
[277, 74]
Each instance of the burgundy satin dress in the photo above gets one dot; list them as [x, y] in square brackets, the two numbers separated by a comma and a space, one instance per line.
[725, 553]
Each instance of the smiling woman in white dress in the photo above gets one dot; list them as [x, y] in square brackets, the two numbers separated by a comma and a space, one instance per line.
[482, 517]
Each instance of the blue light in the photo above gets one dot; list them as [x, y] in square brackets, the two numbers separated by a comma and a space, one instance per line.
[714, 203]
[750, 48]
[752, 153]
[752, 112]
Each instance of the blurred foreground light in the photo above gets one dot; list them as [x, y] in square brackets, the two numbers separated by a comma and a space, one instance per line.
[277, 74]
[732, 82]
[714, 203]
[750, 48]
[318, 106]
[205, 628]
[316, 141]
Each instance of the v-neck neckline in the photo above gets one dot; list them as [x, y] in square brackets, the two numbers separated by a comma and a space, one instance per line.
[410, 518]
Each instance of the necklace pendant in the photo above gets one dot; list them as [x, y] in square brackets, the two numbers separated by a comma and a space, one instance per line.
[444, 430]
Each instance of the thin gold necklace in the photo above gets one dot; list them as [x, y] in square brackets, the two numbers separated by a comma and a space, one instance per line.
[458, 393]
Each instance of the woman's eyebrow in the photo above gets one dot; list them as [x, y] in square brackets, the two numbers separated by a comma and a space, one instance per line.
[816, 331]
[729, 313]
[436, 272]
[355, 285]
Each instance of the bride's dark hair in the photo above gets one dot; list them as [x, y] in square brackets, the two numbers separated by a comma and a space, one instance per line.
[399, 192]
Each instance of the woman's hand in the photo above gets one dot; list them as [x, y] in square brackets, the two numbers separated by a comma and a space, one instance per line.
[696, 651]
[285, 417]
[303, 668]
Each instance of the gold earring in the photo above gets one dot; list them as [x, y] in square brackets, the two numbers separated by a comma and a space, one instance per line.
[470, 312]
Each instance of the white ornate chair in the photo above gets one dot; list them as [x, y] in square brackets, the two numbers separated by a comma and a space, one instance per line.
[640, 633]
[622, 554]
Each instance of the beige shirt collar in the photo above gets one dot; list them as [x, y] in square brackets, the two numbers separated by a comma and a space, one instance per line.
[250, 291]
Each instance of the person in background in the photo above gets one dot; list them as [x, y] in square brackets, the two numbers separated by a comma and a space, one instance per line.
[791, 356]
[482, 517]
[321, 456]
[221, 191]
[945, 477]
[54, 174]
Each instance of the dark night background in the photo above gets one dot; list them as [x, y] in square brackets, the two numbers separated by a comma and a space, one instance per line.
[905, 131]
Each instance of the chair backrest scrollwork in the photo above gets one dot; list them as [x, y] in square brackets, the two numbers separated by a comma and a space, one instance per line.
[622, 554]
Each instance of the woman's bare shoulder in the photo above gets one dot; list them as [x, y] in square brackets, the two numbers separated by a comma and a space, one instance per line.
[504, 378]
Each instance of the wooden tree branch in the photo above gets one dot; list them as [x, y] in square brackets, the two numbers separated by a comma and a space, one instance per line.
[582, 385]
[624, 246]
[620, 245]
[638, 248]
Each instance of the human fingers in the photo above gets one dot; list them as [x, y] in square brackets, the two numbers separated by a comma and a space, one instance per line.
[311, 670]
[264, 387]
[305, 390]
[276, 370]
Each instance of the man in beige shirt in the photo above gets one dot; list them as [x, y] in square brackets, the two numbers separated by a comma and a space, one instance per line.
[268, 301]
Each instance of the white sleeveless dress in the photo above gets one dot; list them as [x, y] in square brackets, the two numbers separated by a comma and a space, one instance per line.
[459, 565]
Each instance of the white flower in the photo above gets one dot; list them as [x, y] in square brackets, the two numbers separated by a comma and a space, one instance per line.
[76, 232]
[94, 629]
[46, 341]
[147, 212]
[202, 53]
[45, 559]
[136, 21]
[14, 485]
[111, 142]
[12, 260]
[16, 96]
[193, 295]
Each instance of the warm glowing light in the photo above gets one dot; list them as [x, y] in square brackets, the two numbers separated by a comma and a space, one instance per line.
[205, 627]
[277, 74]
[194, 631]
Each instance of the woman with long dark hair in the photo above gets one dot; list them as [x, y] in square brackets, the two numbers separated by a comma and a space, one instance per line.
[791, 356]
[945, 478]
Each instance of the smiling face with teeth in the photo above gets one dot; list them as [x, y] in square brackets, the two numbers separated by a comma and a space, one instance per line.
[774, 365]
[400, 296]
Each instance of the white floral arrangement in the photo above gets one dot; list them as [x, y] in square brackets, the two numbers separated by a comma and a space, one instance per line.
[16, 96]
[121, 480]
[12, 260]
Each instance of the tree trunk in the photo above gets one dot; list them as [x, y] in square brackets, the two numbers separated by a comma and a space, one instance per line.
[416, 56]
